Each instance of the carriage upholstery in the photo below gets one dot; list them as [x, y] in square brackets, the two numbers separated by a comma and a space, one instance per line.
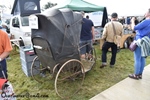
[58, 34]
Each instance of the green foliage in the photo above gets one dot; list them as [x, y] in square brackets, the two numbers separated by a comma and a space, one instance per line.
[48, 5]
[96, 80]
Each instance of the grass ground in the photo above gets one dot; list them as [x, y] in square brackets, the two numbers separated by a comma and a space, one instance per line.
[96, 80]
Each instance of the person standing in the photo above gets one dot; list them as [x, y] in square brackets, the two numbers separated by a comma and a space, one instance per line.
[136, 22]
[86, 37]
[108, 36]
[142, 29]
[129, 23]
[87, 16]
[5, 49]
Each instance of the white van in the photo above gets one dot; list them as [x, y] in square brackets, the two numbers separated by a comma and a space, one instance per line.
[19, 28]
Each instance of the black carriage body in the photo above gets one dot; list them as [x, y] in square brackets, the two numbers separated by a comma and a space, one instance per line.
[58, 35]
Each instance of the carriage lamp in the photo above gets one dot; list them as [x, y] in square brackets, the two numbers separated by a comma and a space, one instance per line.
[37, 46]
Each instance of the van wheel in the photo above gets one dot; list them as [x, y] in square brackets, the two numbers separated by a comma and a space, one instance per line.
[21, 43]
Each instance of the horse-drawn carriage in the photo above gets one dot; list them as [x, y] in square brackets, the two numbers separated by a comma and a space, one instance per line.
[56, 44]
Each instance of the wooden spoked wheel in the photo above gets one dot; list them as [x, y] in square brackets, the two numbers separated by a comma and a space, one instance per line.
[40, 73]
[69, 78]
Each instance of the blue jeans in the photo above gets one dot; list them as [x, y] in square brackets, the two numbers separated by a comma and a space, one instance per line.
[85, 46]
[3, 67]
[139, 63]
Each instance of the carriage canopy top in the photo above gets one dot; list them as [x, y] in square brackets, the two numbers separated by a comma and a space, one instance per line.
[61, 29]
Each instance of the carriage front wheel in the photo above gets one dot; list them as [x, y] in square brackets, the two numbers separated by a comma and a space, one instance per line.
[69, 78]
[39, 72]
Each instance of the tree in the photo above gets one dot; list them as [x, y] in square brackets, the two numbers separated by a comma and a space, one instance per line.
[2, 7]
[48, 5]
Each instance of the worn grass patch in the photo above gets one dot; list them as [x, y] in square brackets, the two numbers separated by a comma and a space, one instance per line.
[96, 80]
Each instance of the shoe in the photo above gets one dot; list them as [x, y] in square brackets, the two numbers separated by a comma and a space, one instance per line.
[140, 76]
[102, 66]
[111, 66]
[8, 58]
[133, 76]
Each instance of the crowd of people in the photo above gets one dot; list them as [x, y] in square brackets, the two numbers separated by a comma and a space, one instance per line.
[141, 29]
[126, 22]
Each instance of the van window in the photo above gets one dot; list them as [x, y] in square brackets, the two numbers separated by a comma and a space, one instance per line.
[25, 21]
[15, 22]
[30, 6]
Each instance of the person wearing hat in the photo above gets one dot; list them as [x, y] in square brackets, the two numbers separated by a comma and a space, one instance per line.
[108, 36]
[86, 37]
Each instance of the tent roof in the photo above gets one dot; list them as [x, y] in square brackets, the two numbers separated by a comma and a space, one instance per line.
[79, 5]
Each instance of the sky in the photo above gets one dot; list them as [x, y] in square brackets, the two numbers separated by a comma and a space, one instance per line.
[122, 7]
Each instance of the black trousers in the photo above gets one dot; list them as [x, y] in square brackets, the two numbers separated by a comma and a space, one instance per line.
[105, 48]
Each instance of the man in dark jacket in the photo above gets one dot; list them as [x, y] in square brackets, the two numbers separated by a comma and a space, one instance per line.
[86, 37]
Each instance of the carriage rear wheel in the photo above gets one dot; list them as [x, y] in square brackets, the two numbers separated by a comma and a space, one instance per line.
[38, 72]
[69, 78]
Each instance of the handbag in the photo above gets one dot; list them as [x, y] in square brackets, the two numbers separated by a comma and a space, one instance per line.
[117, 38]
[132, 46]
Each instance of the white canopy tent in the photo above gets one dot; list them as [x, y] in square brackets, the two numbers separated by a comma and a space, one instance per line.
[124, 7]
[6, 15]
